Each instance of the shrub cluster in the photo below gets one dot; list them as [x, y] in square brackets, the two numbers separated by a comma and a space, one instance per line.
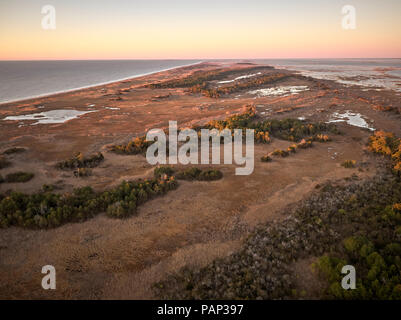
[14, 150]
[266, 159]
[137, 146]
[387, 144]
[161, 171]
[79, 161]
[213, 92]
[303, 144]
[357, 224]
[262, 137]
[378, 269]
[201, 78]
[286, 129]
[19, 176]
[349, 164]
[281, 153]
[47, 209]
[198, 174]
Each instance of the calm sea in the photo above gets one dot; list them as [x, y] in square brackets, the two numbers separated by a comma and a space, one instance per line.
[27, 79]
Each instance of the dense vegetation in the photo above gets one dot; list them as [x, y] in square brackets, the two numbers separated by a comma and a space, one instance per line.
[349, 164]
[199, 82]
[19, 176]
[14, 150]
[138, 145]
[357, 224]
[215, 92]
[266, 158]
[303, 144]
[189, 174]
[201, 77]
[79, 161]
[198, 174]
[47, 209]
[287, 129]
[387, 144]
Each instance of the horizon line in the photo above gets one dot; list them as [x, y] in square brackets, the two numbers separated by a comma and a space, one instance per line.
[203, 59]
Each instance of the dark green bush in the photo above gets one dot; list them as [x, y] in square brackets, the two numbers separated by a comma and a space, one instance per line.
[189, 174]
[19, 177]
[358, 224]
[79, 161]
[200, 78]
[14, 150]
[210, 175]
[281, 153]
[348, 164]
[47, 209]
[163, 170]
[266, 159]
[138, 145]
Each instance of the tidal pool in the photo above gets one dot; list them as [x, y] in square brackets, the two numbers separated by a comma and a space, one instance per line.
[351, 118]
[50, 117]
[279, 91]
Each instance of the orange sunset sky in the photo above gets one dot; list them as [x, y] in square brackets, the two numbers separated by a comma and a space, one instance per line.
[99, 29]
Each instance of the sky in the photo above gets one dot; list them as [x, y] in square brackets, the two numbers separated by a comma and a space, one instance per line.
[185, 29]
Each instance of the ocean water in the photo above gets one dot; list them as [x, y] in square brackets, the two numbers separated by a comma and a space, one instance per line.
[27, 79]
[370, 74]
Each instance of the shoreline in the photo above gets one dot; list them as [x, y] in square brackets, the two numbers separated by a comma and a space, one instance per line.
[50, 94]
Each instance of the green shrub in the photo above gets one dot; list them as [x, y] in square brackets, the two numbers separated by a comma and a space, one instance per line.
[1, 179]
[266, 159]
[47, 209]
[163, 170]
[19, 177]
[348, 164]
[121, 209]
[281, 153]
[210, 175]
[79, 161]
[189, 174]
[14, 150]
[305, 144]
[137, 146]
[292, 148]
[355, 224]
[199, 79]
[194, 173]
